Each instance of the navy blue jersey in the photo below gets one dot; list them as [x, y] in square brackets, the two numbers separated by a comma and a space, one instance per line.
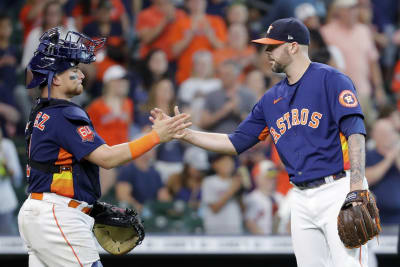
[303, 120]
[63, 135]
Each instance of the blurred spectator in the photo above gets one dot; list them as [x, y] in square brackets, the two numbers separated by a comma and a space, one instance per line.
[161, 95]
[307, 13]
[319, 51]
[286, 8]
[139, 182]
[237, 12]
[10, 173]
[262, 203]
[197, 31]
[52, 17]
[153, 68]
[169, 159]
[383, 171]
[391, 114]
[365, 14]
[267, 151]
[255, 81]
[169, 155]
[237, 48]
[84, 13]
[193, 90]
[31, 14]
[8, 62]
[356, 42]
[186, 185]
[153, 26]
[395, 85]
[103, 26]
[217, 7]
[111, 115]
[385, 18]
[222, 214]
[9, 115]
[225, 108]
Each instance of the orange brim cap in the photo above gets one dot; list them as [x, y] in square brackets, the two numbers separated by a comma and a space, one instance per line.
[267, 41]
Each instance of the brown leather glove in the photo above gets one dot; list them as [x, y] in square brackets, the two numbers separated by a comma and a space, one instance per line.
[360, 223]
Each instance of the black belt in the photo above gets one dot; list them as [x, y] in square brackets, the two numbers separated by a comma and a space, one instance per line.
[319, 181]
[49, 167]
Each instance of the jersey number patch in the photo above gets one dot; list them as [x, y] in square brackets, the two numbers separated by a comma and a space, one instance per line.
[40, 125]
[85, 133]
[348, 99]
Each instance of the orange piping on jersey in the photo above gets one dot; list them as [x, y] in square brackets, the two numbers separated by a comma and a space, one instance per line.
[64, 157]
[263, 134]
[345, 151]
[66, 240]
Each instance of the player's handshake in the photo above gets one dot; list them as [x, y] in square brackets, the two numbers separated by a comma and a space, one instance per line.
[168, 127]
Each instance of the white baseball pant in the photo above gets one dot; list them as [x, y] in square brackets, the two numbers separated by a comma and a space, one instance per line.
[315, 237]
[55, 234]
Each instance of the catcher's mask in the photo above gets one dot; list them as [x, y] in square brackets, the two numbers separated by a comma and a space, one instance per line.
[56, 55]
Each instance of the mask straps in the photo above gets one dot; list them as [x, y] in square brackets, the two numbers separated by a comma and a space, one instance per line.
[49, 81]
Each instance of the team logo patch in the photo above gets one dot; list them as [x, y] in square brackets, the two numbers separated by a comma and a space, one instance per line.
[348, 99]
[269, 29]
[85, 133]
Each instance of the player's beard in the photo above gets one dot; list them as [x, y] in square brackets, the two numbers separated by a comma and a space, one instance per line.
[277, 67]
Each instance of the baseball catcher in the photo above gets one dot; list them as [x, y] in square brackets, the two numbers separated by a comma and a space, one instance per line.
[117, 230]
[64, 153]
[358, 223]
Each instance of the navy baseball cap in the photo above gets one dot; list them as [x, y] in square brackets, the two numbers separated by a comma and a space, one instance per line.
[286, 30]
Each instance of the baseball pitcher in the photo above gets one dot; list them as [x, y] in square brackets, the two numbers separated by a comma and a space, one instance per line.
[316, 123]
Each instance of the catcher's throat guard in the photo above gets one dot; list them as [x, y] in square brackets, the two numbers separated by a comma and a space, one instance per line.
[117, 230]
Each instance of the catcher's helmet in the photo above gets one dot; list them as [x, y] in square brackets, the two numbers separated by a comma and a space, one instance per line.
[55, 55]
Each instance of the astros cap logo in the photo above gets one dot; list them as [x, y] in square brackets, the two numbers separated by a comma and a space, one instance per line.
[348, 99]
[269, 29]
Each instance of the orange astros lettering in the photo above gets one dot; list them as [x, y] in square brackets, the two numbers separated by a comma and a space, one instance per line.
[294, 118]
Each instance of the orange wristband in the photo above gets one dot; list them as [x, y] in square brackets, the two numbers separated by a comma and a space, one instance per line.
[140, 146]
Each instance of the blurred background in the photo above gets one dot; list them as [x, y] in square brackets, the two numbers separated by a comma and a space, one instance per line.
[197, 54]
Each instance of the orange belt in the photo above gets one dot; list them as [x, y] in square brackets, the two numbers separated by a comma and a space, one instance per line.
[72, 203]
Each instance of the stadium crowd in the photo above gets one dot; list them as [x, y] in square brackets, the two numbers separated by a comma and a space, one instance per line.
[197, 54]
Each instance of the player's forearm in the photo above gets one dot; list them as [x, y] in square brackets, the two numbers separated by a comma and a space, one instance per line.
[356, 143]
[215, 142]
[109, 157]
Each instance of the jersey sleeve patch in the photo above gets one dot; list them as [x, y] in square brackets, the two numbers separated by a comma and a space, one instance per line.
[86, 134]
[76, 114]
[348, 99]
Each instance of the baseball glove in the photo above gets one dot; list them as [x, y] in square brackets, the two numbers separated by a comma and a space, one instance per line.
[117, 230]
[359, 223]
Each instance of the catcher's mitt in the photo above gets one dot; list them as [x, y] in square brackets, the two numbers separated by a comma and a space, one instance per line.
[360, 223]
[117, 230]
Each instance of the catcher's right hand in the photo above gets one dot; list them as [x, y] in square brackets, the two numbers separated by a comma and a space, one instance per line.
[358, 223]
